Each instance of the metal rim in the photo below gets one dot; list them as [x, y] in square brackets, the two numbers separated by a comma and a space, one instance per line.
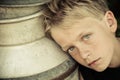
[20, 3]
[21, 18]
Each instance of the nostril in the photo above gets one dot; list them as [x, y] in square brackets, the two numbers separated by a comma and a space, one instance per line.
[85, 55]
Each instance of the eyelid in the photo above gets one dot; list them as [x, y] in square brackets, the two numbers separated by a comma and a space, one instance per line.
[86, 36]
[69, 49]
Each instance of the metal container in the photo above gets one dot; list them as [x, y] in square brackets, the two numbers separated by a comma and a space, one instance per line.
[26, 54]
[22, 2]
[42, 60]
[8, 11]
[17, 12]
[21, 30]
[20, 8]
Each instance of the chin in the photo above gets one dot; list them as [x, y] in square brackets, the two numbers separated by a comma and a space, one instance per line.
[100, 69]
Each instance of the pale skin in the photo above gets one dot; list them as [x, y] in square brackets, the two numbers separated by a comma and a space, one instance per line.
[90, 41]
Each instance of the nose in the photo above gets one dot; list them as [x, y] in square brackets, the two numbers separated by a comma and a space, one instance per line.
[84, 51]
[84, 54]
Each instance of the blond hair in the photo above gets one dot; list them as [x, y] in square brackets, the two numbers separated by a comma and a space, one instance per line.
[57, 11]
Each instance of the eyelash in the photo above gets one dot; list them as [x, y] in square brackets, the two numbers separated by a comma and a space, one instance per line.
[86, 37]
[72, 47]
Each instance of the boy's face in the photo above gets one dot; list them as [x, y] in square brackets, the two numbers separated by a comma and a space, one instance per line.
[89, 41]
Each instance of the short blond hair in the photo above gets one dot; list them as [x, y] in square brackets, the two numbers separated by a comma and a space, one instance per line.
[58, 10]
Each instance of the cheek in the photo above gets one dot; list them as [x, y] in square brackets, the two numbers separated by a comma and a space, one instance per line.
[74, 55]
[103, 48]
[78, 58]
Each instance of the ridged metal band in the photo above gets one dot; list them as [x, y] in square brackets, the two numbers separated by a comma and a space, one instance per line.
[21, 18]
[70, 65]
[22, 3]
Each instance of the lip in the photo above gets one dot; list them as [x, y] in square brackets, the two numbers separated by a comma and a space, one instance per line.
[94, 62]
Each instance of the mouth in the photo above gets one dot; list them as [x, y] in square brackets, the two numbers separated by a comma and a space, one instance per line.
[94, 62]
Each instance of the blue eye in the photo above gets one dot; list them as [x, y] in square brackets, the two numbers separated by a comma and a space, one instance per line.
[71, 49]
[86, 37]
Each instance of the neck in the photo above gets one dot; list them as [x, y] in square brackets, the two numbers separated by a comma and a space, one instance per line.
[115, 62]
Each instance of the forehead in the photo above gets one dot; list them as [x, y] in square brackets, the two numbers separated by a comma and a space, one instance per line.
[70, 24]
[70, 29]
[81, 12]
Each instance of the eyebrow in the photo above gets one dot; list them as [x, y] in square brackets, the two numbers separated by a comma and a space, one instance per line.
[65, 47]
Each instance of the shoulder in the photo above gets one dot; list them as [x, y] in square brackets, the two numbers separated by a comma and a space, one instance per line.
[108, 74]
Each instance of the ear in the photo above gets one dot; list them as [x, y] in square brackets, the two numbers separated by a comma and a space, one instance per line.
[111, 21]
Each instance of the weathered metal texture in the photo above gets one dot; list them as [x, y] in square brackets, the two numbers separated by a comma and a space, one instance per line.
[17, 12]
[25, 52]
[68, 70]
[22, 2]
[30, 59]
[21, 30]
[20, 8]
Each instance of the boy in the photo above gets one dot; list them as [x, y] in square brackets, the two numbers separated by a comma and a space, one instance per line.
[85, 29]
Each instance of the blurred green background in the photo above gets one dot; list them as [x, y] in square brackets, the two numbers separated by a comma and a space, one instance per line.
[114, 6]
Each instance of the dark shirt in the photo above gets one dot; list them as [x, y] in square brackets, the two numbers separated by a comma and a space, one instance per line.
[108, 74]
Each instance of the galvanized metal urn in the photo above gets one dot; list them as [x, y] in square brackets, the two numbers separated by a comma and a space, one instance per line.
[25, 52]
